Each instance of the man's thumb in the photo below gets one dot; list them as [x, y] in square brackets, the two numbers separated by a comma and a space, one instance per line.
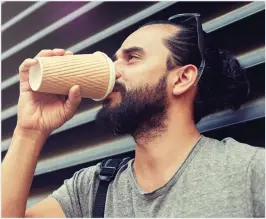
[73, 101]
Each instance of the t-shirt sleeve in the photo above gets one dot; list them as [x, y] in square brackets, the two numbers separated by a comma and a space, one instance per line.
[74, 193]
[256, 173]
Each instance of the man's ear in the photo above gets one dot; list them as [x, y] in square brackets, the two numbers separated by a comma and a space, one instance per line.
[184, 79]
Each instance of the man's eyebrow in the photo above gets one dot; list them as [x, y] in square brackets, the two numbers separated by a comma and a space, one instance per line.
[130, 50]
[133, 49]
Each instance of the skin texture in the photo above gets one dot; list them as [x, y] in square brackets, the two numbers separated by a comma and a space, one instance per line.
[158, 153]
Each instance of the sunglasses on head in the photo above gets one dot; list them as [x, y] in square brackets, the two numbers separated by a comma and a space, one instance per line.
[193, 19]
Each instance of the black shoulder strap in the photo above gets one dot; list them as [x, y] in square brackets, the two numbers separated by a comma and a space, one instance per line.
[106, 174]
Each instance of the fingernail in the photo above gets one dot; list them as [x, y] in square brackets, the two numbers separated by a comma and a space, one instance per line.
[78, 94]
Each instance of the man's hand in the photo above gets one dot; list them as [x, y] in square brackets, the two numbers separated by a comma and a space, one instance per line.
[44, 112]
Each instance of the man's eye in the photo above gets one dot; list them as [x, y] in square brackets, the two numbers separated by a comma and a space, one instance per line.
[132, 57]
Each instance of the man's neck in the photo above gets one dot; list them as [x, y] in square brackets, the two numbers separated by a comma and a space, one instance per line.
[157, 160]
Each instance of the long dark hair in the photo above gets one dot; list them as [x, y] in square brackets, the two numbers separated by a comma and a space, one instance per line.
[223, 83]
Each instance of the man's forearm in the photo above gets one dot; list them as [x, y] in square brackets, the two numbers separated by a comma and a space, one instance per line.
[18, 170]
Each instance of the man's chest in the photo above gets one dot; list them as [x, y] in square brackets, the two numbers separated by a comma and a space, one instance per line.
[175, 202]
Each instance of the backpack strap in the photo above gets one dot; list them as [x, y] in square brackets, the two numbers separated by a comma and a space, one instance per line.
[106, 173]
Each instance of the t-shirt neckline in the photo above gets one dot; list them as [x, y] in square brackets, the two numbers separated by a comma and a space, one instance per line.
[156, 193]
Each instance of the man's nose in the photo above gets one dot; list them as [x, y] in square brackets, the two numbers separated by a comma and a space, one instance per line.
[117, 75]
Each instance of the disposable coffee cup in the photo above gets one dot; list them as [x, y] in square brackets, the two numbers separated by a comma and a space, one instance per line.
[94, 73]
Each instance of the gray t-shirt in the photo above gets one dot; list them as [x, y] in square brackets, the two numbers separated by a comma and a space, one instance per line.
[218, 179]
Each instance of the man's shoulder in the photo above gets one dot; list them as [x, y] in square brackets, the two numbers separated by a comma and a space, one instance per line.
[231, 151]
[91, 173]
[85, 177]
[240, 148]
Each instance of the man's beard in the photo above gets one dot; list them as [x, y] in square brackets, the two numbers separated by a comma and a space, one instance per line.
[141, 111]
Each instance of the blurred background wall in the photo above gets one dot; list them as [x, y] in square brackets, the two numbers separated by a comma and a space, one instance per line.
[86, 27]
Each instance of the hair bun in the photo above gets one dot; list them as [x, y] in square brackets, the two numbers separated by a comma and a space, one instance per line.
[223, 83]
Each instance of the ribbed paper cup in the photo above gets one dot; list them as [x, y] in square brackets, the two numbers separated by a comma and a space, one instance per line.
[94, 73]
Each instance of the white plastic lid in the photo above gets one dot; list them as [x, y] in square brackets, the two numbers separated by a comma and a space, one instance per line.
[35, 76]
